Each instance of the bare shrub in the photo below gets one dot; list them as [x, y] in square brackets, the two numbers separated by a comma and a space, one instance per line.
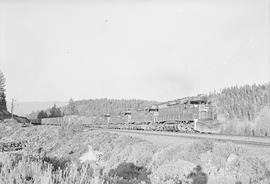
[262, 122]
[173, 172]
[225, 149]
[251, 170]
[237, 127]
[68, 129]
[201, 146]
[195, 150]
[56, 163]
[169, 154]
[259, 127]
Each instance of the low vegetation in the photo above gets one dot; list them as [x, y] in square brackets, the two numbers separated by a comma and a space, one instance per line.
[260, 126]
[128, 173]
[52, 155]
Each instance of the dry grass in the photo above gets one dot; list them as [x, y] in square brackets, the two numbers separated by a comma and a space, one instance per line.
[34, 171]
[52, 156]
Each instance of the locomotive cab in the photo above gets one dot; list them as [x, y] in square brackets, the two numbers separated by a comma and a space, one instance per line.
[204, 108]
[207, 118]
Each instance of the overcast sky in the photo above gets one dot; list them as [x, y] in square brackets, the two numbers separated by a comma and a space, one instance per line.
[156, 50]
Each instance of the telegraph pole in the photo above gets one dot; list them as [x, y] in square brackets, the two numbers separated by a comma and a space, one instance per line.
[12, 107]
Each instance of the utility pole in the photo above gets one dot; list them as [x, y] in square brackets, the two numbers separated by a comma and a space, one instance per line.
[12, 107]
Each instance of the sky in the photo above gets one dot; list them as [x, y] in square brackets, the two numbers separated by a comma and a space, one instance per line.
[156, 50]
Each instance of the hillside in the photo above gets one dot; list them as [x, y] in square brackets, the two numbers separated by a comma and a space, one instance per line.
[4, 114]
[72, 154]
[242, 103]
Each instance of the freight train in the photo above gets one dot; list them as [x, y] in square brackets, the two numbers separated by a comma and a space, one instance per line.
[189, 115]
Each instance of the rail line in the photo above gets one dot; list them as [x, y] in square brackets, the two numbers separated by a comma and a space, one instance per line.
[255, 141]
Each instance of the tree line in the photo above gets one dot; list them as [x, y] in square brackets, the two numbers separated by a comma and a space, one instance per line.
[244, 102]
[55, 111]
[95, 107]
[92, 107]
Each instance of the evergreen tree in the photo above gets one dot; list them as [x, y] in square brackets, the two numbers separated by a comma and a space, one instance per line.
[42, 114]
[242, 102]
[3, 103]
[72, 108]
[55, 112]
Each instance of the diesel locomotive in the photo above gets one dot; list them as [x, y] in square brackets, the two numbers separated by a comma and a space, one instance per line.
[190, 114]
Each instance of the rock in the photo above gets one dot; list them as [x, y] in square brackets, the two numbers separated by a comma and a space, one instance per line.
[231, 160]
[91, 155]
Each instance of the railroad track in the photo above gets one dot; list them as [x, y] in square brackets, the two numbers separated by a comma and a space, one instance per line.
[255, 141]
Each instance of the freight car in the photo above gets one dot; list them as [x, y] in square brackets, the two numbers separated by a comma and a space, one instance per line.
[191, 114]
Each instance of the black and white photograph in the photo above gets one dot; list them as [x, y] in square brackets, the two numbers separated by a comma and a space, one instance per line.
[134, 91]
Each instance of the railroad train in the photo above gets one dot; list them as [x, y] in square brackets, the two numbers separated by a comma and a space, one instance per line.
[190, 114]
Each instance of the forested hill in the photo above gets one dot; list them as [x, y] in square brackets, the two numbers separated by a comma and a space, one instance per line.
[103, 106]
[243, 102]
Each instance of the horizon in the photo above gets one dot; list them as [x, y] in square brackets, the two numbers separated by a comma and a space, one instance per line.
[156, 51]
[213, 91]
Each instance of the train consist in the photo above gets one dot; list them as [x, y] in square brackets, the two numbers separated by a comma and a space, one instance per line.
[190, 114]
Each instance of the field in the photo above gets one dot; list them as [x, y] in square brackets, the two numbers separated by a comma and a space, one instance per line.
[73, 154]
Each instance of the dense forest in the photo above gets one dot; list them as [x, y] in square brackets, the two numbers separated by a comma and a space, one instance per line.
[243, 103]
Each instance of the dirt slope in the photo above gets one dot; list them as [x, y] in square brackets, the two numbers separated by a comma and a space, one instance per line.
[168, 163]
